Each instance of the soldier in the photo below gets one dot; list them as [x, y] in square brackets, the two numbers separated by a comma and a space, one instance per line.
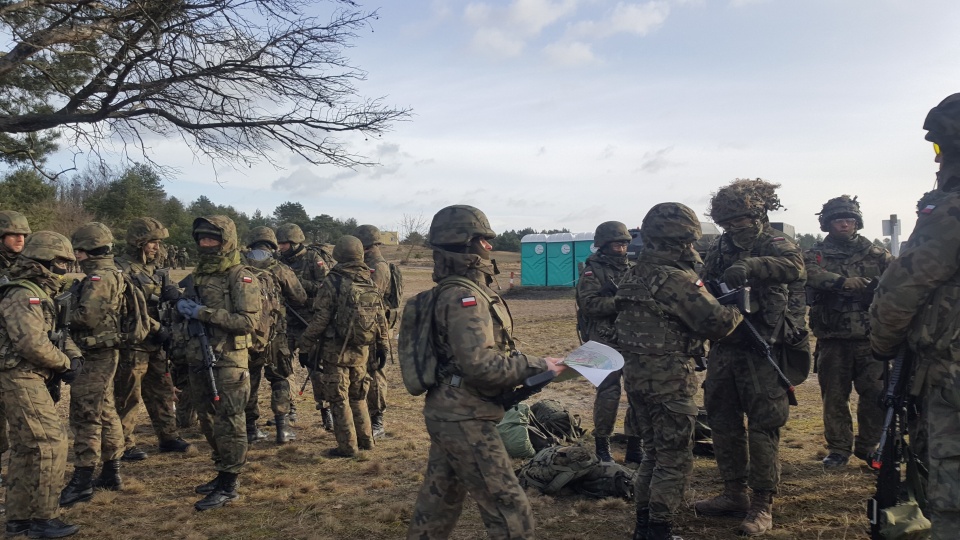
[665, 313]
[596, 313]
[740, 381]
[918, 304]
[227, 304]
[275, 359]
[143, 373]
[380, 272]
[474, 338]
[95, 328]
[840, 271]
[13, 234]
[311, 270]
[28, 358]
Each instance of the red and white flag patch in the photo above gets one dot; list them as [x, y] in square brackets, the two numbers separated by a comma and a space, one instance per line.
[319, 263]
[94, 278]
[468, 301]
[927, 209]
[34, 301]
[588, 273]
[247, 279]
[699, 283]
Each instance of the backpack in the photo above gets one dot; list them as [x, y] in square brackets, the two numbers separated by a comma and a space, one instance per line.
[395, 294]
[272, 314]
[556, 466]
[359, 308]
[513, 428]
[419, 363]
[325, 251]
[135, 321]
[554, 424]
[606, 479]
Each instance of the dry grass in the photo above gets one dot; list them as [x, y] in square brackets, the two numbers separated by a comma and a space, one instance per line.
[295, 492]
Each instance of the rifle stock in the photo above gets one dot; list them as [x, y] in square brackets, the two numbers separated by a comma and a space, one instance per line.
[531, 386]
[63, 303]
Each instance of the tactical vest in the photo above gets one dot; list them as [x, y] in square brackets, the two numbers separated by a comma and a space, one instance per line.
[209, 286]
[600, 328]
[642, 325]
[836, 315]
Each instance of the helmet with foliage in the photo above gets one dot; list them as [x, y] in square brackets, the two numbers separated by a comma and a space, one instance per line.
[840, 207]
[262, 235]
[45, 246]
[744, 198]
[673, 222]
[290, 232]
[12, 222]
[142, 230]
[943, 125]
[610, 231]
[369, 235]
[348, 249]
[92, 236]
[219, 226]
[458, 225]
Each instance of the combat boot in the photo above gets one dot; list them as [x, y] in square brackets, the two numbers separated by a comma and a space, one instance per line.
[603, 449]
[760, 516]
[134, 454]
[661, 530]
[51, 528]
[733, 502]
[634, 451]
[254, 433]
[643, 521]
[174, 445]
[376, 425]
[209, 487]
[80, 487]
[225, 492]
[327, 415]
[284, 433]
[109, 476]
[17, 527]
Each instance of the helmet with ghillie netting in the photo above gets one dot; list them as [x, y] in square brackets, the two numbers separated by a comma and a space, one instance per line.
[744, 198]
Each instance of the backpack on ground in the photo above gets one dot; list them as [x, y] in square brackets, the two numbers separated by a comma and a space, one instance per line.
[514, 431]
[359, 308]
[419, 361]
[556, 466]
[606, 479]
[553, 424]
[271, 308]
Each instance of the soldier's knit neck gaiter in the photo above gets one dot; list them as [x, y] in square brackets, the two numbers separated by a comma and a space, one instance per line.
[213, 264]
[92, 265]
[468, 265]
[36, 272]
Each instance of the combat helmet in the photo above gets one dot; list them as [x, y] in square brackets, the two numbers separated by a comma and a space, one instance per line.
[744, 198]
[672, 222]
[142, 230]
[840, 207]
[348, 249]
[291, 233]
[12, 222]
[92, 236]
[45, 246]
[369, 235]
[457, 225]
[221, 226]
[263, 235]
[943, 125]
[610, 231]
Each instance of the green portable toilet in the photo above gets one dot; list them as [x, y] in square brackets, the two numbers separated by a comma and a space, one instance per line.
[533, 260]
[561, 272]
[582, 248]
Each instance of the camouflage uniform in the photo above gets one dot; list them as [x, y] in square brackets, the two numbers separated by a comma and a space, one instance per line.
[229, 304]
[740, 381]
[918, 303]
[10, 223]
[839, 320]
[475, 339]
[602, 272]
[27, 360]
[665, 313]
[344, 365]
[143, 373]
[380, 273]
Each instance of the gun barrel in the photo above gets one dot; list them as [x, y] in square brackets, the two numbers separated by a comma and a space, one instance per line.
[767, 351]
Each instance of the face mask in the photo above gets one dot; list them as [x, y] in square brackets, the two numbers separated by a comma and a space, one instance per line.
[690, 255]
[477, 249]
[744, 237]
[57, 270]
[215, 250]
[259, 254]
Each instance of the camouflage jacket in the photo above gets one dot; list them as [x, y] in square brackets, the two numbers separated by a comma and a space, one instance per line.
[776, 278]
[309, 267]
[290, 287]
[834, 313]
[321, 328]
[479, 362]
[95, 321]
[7, 259]
[595, 290]
[26, 321]
[918, 299]
[379, 269]
[150, 282]
[231, 306]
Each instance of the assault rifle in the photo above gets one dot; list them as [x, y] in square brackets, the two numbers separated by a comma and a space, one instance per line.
[197, 330]
[531, 386]
[63, 304]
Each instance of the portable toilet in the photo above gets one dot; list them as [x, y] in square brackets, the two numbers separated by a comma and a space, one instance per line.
[533, 260]
[582, 248]
[561, 272]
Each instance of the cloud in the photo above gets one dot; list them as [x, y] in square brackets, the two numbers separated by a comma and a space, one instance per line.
[625, 18]
[496, 42]
[656, 161]
[304, 181]
[504, 31]
[574, 53]
[607, 152]
[744, 3]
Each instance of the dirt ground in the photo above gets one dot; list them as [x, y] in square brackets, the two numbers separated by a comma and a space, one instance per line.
[295, 492]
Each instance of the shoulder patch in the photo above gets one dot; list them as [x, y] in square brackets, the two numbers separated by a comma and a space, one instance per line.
[94, 278]
[698, 283]
[588, 273]
[34, 301]
[320, 262]
[468, 301]
[777, 239]
[247, 279]
[928, 208]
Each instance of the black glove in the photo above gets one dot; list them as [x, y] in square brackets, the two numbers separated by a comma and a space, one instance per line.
[163, 336]
[381, 357]
[736, 275]
[76, 366]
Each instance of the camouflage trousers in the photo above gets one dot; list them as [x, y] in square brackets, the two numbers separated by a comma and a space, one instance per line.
[842, 364]
[186, 411]
[223, 424]
[274, 364]
[661, 391]
[143, 376]
[311, 359]
[740, 383]
[942, 411]
[38, 445]
[4, 439]
[377, 396]
[347, 389]
[93, 416]
[606, 406]
[469, 456]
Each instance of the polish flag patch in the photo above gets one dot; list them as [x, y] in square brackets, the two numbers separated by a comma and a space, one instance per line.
[468, 301]
[34, 301]
[588, 273]
[927, 209]
[699, 283]
[319, 263]
[247, 279]
[94, 278]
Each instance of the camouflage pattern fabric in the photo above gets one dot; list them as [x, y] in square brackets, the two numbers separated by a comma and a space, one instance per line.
[311, 270]
[917, 303]
[659, 298]
[224, 425]
[846, 362]
[7, 258]
[380, 273]
[347, 387]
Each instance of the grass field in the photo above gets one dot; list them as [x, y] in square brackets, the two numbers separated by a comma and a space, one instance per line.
[295, 492]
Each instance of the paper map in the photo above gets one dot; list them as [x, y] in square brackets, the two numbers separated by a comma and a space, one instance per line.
[595, 361]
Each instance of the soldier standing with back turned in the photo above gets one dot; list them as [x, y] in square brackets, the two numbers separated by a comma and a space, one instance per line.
[840, 270]
[596, 288]
[380, 273]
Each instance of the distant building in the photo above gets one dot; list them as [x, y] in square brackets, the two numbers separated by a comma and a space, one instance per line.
[390, 238]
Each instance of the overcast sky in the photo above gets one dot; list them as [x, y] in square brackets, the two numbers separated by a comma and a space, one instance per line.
[567, 113]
